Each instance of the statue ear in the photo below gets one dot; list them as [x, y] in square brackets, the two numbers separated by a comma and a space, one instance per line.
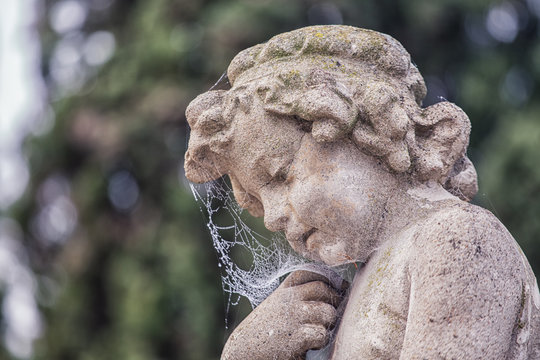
[441, 138]
[203, 166]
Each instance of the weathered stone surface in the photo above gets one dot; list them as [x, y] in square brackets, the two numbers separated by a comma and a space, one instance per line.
[323, 134]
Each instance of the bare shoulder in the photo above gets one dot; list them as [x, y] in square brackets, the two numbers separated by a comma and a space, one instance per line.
[473, 293]
[462, 233]
[464, 251]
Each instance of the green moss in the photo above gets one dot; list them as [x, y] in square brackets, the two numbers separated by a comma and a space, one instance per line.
[291, 78]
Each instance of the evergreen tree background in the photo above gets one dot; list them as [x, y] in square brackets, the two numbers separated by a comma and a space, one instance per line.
[137, 278]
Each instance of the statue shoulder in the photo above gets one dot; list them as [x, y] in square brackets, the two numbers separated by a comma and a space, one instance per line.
[464, 240]
[465, 229]
[472, 286]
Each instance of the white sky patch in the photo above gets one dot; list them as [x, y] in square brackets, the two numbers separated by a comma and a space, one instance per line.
[22, 93]
[13, 176]
[22, 101]
[22, 320]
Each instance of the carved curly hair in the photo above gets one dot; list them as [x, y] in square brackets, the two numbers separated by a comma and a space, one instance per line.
[346, 82]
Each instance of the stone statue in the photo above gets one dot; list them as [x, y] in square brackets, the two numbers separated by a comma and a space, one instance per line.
[323, 134]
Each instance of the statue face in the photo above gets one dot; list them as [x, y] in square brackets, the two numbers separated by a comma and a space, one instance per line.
[328, 198]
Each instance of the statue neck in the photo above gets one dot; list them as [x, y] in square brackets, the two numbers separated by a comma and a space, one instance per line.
[410, 204]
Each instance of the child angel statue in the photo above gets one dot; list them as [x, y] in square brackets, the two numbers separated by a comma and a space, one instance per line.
[324, 135]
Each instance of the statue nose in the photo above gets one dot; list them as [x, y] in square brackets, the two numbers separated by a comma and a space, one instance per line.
[276, 208]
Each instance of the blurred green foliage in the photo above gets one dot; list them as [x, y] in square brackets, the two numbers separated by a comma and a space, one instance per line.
[139, 279]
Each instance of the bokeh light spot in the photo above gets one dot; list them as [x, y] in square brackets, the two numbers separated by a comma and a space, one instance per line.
[502, 22]
[516, 87]
[22, 322]
[123, 190]
[14, 173]
[54, 187]
[56, 221]
[67, 16]
[65, 67]
[99, 48]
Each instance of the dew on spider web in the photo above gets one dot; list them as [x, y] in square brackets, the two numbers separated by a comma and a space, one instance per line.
[256, 278]
[264, 261]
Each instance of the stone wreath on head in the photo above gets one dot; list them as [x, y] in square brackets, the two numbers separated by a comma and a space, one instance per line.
[342, 82]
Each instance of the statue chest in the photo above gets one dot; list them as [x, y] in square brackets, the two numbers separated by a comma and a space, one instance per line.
[374, 320]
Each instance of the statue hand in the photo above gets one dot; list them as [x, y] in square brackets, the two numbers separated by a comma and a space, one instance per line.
[292, 320]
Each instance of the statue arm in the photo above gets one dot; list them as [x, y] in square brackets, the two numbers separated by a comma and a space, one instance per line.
[466, 289]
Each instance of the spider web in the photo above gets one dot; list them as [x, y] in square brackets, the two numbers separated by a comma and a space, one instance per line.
[268, 260]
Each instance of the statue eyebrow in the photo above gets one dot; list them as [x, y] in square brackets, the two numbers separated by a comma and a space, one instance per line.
[285, 167]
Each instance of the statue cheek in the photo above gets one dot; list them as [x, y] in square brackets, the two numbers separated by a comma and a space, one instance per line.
[319, 211]
[309, 200]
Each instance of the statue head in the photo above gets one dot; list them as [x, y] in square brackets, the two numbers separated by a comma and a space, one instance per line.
[336, 103]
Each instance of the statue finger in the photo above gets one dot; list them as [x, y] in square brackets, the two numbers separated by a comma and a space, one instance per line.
[300, 277]
[313, 336]
[316, 312]
[318, 291]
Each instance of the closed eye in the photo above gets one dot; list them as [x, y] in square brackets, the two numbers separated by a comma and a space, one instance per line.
[280, 176]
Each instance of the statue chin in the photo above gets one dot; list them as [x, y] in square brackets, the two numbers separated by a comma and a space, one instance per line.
[332, 254]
